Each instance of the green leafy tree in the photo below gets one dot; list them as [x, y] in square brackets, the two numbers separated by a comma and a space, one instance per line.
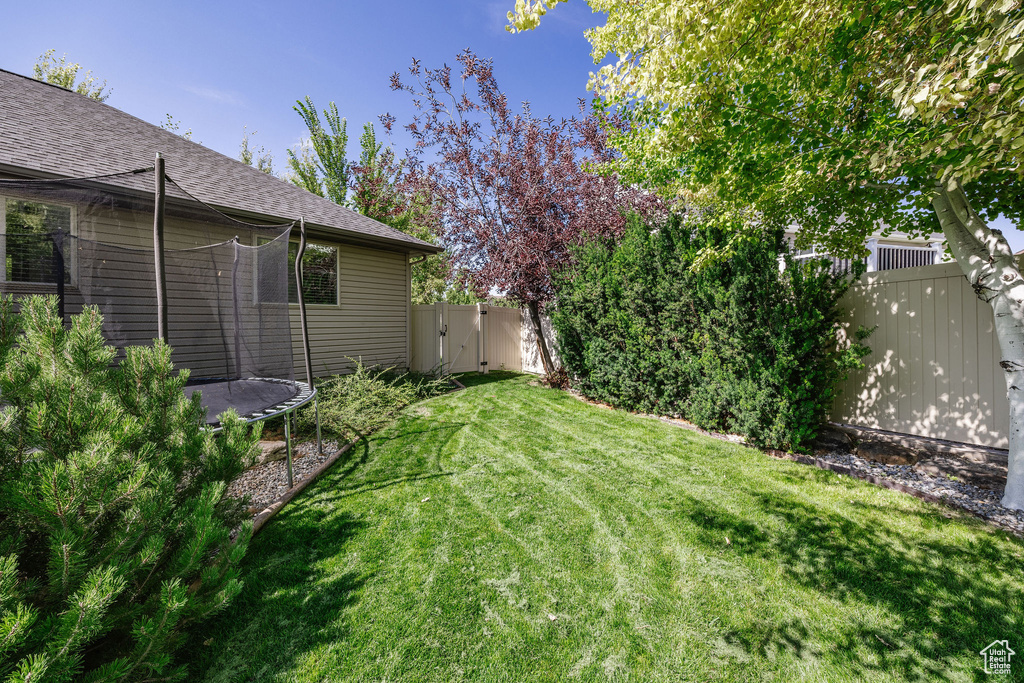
[114, 533]
[836, 118]
[321, 166]
[174, 126]
[387, 190]
[259, 157]
[60, 72]
[379, 186]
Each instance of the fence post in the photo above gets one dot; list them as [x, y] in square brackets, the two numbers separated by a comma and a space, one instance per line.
[872, 255]
[481, 337]
[439, 330]
[447, 345]
[939, 252]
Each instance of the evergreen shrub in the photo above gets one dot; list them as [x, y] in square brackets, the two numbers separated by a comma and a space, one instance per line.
[365, 400]
[736, 345]
[115, 535]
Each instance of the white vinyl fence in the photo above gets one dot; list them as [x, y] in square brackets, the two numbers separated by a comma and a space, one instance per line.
[480, 338]
[933, 369]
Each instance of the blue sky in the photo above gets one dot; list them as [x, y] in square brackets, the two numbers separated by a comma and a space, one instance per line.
[217, 67]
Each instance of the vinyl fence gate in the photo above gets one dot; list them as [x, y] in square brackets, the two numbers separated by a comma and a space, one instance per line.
[450, 338]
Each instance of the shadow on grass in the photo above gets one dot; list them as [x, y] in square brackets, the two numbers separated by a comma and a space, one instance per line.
[944, 613]
[476, 379]
[411, 431]
[291, 604]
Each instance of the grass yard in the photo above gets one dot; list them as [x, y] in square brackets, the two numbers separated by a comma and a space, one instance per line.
[511, 532]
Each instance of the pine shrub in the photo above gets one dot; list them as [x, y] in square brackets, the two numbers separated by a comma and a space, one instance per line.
[362, 401]
[736, 346]
[114, 529]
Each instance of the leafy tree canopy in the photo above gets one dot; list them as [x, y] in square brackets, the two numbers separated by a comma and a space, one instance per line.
[174, 126]
[819, 114]
[515, 191]
[377, 185]
[320, 166]
[257, 157]
[60, 72]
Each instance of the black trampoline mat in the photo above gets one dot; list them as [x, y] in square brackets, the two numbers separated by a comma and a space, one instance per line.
[246, 396]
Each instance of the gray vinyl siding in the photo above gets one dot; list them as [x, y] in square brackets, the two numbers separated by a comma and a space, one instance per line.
[371, 321]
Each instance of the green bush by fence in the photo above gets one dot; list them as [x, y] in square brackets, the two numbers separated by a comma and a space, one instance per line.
[736, 346]
[114, 532]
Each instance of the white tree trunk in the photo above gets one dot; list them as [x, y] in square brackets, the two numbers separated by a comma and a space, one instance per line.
[988, 263]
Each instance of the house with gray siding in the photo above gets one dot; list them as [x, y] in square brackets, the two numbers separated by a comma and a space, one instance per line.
[358, 299]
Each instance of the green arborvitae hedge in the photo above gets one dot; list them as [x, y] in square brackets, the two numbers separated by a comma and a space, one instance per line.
[737, 346]
[114, 532]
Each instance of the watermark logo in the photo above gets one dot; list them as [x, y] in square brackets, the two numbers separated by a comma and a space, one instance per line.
[997, 657]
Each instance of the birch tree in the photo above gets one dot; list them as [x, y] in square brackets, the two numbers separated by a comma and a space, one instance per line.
[258, 157]
[836, 117]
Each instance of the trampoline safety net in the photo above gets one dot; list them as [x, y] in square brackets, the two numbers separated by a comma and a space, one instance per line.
[90, 241]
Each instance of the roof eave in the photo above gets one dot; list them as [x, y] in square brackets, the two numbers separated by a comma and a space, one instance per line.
[412, 246]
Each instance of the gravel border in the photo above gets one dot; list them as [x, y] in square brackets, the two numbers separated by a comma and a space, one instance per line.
[979, 502]
[267, 483]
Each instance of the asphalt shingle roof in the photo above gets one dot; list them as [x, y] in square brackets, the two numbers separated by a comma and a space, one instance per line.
[50, 131]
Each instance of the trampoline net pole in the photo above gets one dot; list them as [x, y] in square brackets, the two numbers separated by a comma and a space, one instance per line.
[236, 322]
[158, 249]
[288, 446]
[58, 269]
[319, 440]
[302, 319]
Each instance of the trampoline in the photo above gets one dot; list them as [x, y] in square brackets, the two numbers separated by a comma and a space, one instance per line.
[254, 399]
[160, 263]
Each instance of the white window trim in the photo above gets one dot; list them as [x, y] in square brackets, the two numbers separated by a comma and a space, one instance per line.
[337, 270]
[72, 265]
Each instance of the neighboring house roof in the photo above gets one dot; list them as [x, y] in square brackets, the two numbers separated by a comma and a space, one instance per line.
[47, 131]
[893, 237]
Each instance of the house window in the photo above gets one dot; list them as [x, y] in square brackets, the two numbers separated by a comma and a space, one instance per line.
[27, 248]
[319, 274]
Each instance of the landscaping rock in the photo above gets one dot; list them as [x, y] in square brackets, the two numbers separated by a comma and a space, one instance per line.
[832, 440]
[991, 477]
[271, 451]
[886, 453]
[266, 483]
[983, 502]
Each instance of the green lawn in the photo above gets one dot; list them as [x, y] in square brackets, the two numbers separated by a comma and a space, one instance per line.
[441, 549]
